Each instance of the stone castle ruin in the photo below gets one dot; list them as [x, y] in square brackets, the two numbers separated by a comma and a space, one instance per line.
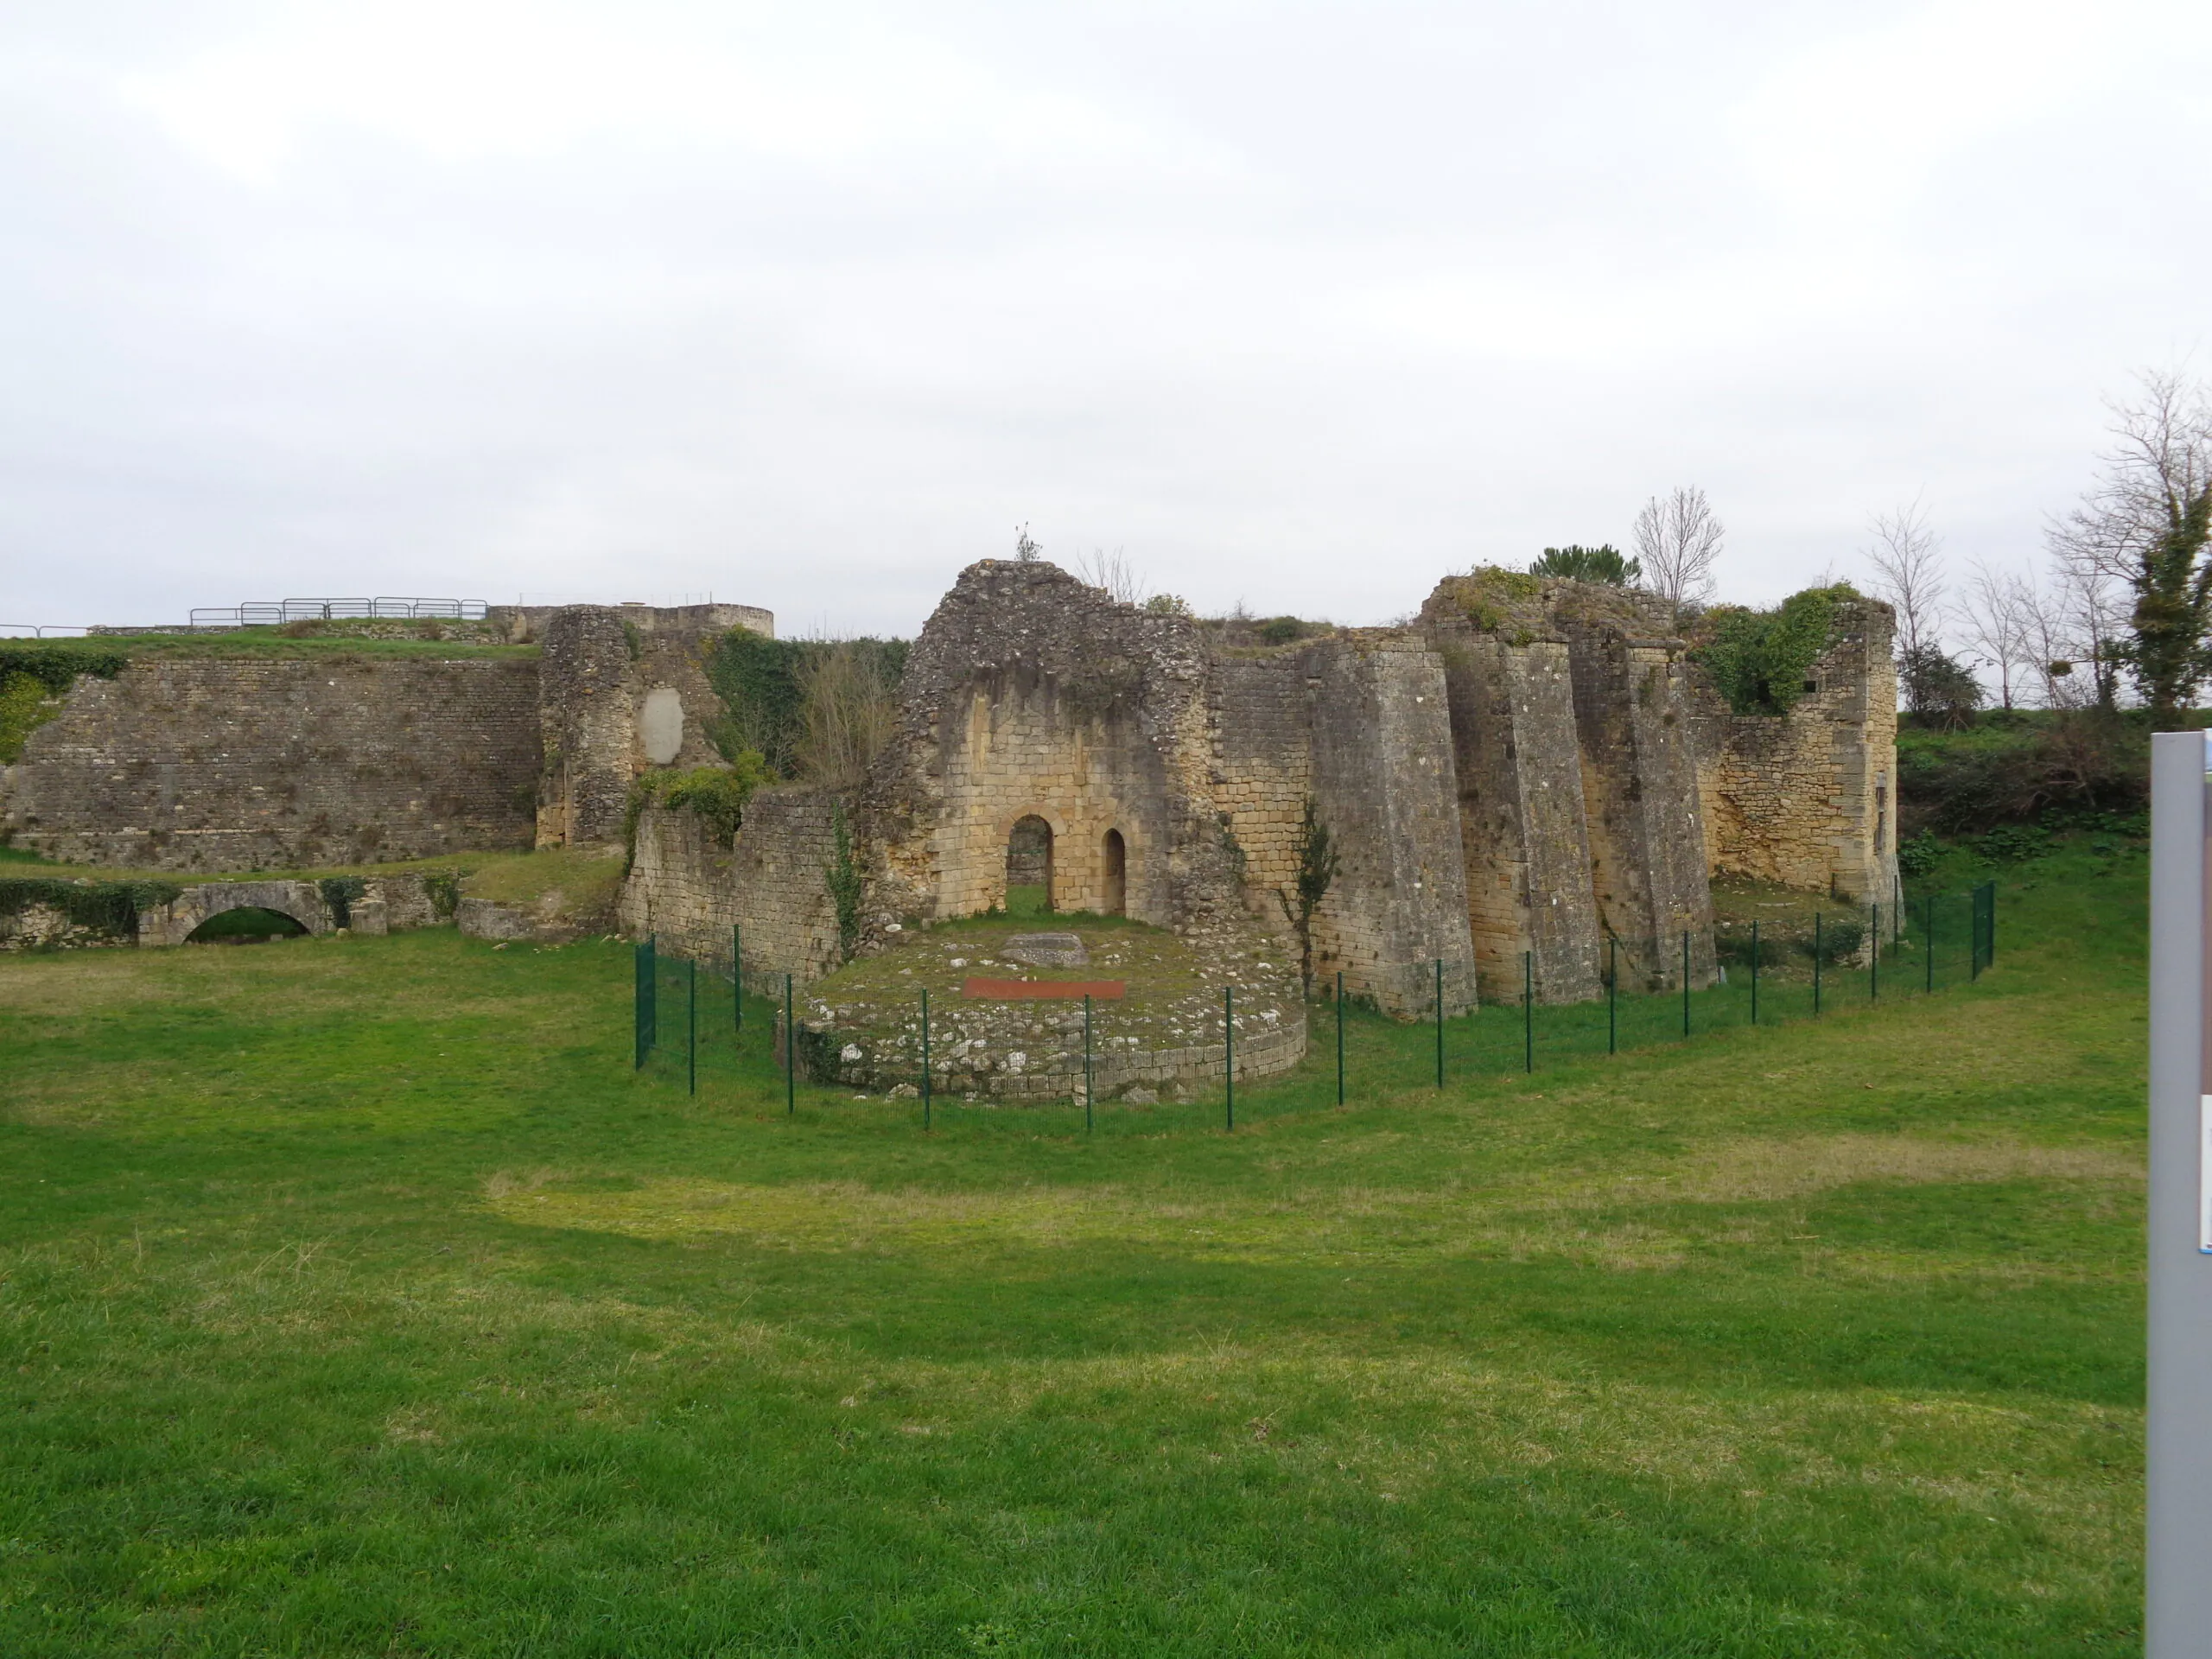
[1527, 782]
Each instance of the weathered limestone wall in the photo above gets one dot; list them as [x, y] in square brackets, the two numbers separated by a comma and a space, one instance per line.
[1640, 793]
[1384, 782]
[1031, 695]
[625, 689]
[524, 624]
[588, 716]
[237, 764]
[1524, 839]
[1808, 798]
[773, 882]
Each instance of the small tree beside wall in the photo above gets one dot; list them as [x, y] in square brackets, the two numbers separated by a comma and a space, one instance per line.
[1317, 870]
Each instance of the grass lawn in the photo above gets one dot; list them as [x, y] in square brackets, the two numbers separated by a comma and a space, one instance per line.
[356, 1297]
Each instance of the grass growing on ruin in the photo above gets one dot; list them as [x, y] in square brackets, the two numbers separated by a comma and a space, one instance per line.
[356, 1297]
[275, 644]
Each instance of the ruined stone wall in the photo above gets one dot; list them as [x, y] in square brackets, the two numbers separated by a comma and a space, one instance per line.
[772, 881]
[588, 716]
[524, 624]
[1385, 783]
[240, 764]
[1030, 694]
[1580, 807]
[1263, 766]
[1524, 839]
[1808, 799]
[1642, 809]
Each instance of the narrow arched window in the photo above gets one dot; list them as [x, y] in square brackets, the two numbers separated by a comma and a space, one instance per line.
[1116, 897]
[1029, 867]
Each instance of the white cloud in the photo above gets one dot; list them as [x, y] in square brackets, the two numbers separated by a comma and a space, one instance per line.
[811, 305]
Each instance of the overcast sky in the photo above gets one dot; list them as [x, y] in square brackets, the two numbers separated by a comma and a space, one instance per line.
[807, 306]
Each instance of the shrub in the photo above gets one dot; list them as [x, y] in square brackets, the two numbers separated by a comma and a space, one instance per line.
[801, 705]
[2014, 843]
[2085, 768]
[715, 795]
[443, 889]
[1599, 564]
[1840, 940]
[1918, 855]
[339, 892]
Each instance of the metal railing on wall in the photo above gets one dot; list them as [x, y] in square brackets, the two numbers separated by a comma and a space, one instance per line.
[256, 614]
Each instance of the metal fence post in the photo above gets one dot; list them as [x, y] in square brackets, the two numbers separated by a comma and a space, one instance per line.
[1929, 945]
[1440, 1022]
[637, 1006]
[1528, 1011]
[737, 976]
[925, 1058]
[691, 1027]
[1086, 1063]
[1340, 1037]
[1612, 993]
[1755, 970]
[791, 1054]
[1229, 1056]
[1686, 984]
[1816, 964]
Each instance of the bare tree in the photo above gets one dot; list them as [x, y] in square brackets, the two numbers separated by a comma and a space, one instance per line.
[2145, 525]
[1114, 573]
[1026, 547]
[847, 711]
[1996, 609]
[1908, 559]
[1677, 542]
[2052, 644]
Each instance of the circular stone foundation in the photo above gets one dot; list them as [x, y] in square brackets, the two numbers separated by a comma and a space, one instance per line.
[1161, 1039]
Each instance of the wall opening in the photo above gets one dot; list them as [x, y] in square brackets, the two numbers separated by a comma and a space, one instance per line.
[1029, 868]
[245, 924]
[1117, 896]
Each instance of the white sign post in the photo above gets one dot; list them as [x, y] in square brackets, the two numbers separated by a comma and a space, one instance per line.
[2178, 1615]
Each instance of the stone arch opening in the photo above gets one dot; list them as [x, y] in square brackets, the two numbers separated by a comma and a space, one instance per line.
[1115, 885]
[1029, 867]
[247, 924]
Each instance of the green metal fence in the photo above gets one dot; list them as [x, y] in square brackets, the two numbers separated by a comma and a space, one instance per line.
[700, 1029]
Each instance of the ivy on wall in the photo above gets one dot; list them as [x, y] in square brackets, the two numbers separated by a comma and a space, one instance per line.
[1758, 659]
[109, 908]
[34, 674]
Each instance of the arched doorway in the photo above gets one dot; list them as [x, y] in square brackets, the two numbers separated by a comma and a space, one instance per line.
[1029, 867]
[246, 924]
[1117, 875]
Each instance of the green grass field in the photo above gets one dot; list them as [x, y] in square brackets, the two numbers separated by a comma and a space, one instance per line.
[356, 1297]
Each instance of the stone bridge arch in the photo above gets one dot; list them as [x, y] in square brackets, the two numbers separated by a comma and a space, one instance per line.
[173, 923]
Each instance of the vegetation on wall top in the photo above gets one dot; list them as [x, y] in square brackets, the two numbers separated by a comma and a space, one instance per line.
[1603, 563]
[1758, 658]
[108, 908]
[715, 795]
[813, 710]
